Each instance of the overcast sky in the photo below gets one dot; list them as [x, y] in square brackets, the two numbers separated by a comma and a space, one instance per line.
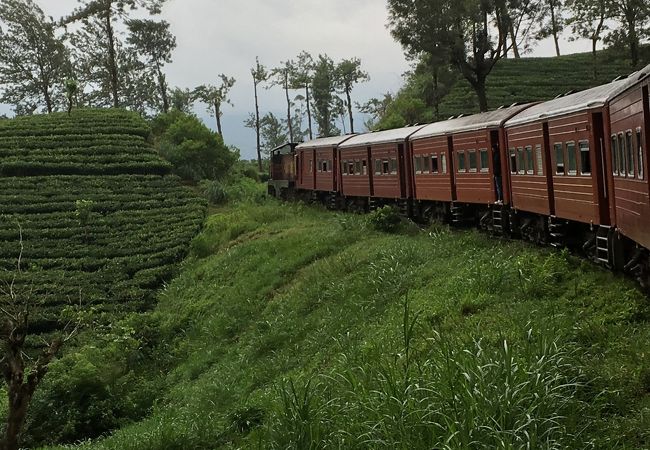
[225, 36]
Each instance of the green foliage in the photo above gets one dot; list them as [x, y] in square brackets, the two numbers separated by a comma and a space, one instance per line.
[215, 192]
[385, 219]
[194, 151]
[277, 295]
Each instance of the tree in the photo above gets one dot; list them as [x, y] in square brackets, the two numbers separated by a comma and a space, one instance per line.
[517, 18]
[260, 75]
[71, 89]
[633, 15]
[215, 96]
[301, 78]
[461, 31]
[280, 77]
[22, 375]
[339, 110]
[553, 12]
[155, 43]
[323, 89]
[588, 20]
[101, 14]
[33, 61]
[376, 108]
[274, 133]
[181, 100]
[349, 73]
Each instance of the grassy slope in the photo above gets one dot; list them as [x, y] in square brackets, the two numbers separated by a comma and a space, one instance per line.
[276, 291]
[537, 79]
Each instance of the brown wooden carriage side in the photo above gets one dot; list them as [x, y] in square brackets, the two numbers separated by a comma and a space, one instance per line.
[317, 166]
[629, 140]
[433, 176]
[356, 172]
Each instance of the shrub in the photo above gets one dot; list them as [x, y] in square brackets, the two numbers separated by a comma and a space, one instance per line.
[252, 173]
[215, 192]
[385, 219]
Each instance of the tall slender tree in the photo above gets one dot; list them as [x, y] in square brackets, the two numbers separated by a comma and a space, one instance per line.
[589, 21]
[280, 77]
[260, 75]
[301, 78]
[553, 21]
[33, 60]
[154, 42]
[633, 17]
[324, 88]
[105, 13]
[349, 73]
[215, 97]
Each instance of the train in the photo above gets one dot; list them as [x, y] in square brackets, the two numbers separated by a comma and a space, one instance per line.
[569, 172]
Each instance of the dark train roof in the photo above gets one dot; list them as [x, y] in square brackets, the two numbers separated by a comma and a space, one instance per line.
[595, 97]
[381, 137]
[481, 121]
[333, 141]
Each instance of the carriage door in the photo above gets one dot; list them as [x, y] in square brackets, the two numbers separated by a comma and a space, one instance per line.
[599, 167]
[402, 170]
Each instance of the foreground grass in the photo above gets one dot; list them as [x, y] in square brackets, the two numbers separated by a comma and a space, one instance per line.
[292, 327]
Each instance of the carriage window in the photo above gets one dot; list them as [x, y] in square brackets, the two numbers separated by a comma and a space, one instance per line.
[639, 146]
[344, 165]
[418, 164]
[357, 167]
[485, 162]
[571, 158]
[385, 169]
[621, 155]
[585, 158]
[473, 163]
[311, 165]
[434, 163]
[520, 161]
[443, 162]
[614, 151]
[393, 166]
[513, 161]
[426, 164]
[378, 166]
[539, 160]
[559, 159]
[351, 168]
[530, 164]
[461, 162]
[629, 149]
[364, 167]
[325, 166]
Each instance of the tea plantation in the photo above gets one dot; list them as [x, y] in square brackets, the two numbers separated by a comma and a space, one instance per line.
[103, 222]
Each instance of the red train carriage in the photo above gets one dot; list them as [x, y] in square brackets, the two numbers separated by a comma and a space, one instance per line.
[317, 166]
[375, 166]
[557, 155]
[465, 151]
[282, 170]
[629, 189]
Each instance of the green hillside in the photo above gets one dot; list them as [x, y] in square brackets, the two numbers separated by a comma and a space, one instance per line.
[294, 327]
[102, 221]
[536, 79]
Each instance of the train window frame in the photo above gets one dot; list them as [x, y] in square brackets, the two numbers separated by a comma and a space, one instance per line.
[364, 167]
[329, 165]
[629, 154]
[530, 163]
[640, 154]
[472, 161]
[484, 165]
[418, 164]
[357, 167]
[521, 167]
[443, 162]
[350, 167]
[558, 150]
[539, 160]
[582, 156]
[343, 166]
[378, 166]
[462, 168]
[385, 167]
[435, 168]
[393, 166]
[513, 161]
[571, 150]
[426, 164]
[622, 163]
[614, 152]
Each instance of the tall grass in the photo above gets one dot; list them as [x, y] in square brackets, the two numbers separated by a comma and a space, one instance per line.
[452, 395]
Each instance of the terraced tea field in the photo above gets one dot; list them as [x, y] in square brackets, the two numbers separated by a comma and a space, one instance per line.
[103, 222]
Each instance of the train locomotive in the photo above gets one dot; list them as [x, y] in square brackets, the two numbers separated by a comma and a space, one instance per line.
[569, 172]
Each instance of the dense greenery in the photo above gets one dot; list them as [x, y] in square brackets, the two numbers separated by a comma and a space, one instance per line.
[291, 327]
[102, 222]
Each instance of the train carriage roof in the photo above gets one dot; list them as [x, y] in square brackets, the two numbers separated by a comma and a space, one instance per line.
[481, 121]
[595, 97]
[333, 141]
[381, 137]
